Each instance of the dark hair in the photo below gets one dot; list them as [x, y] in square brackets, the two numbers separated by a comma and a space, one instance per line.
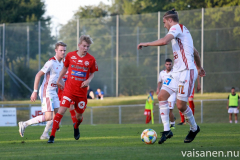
[171, 14]
[168, 60]
[60, 44]
[233, 87]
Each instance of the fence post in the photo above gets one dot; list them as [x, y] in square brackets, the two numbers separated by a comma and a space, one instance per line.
[39, 45]
[91, 116]
[120, 114]
[202, 47]
[77, 31]
[201, 111]
[3, 60]
[159, 58]
[117, 50]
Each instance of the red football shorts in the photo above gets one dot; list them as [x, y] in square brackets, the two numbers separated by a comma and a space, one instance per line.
[79, 105]
[60, 93]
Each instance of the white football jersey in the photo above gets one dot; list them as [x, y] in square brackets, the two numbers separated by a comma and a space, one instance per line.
[52, 68]
[182, 46]
[163, 76]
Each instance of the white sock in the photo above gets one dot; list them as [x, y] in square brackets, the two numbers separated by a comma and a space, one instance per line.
[34, 120]
[48, 127]
[230, 121]
[172, 122]
[164, 112]
[235, 121]
[190, 119]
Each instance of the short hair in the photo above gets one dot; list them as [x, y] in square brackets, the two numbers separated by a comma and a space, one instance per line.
[168, 60]
[171, 14]
[60, 44]
[85, 38]
[233, 87]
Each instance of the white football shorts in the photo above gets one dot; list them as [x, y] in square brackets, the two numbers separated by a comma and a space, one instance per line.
[50, 102]
[233, 110]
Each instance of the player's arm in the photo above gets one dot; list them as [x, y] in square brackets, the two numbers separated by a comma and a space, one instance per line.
[36, 83]
[161, 42]
[197, 60]
[228, 103]
[87, 82]
[60, 82]
[198, 84]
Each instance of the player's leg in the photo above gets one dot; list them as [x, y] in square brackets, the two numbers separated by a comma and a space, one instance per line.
[72, 112]
[186, 84]
[171, 115]
[182, 118]
[164, 112]
[56, 105]
[236, 118]
[80, 106]
[236, 111]
[191, 104]
[230, 111]
[46, 108]
[64, 105]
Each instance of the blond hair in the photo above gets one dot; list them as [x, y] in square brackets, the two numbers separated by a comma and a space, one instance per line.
[60, 44]
[85, 38]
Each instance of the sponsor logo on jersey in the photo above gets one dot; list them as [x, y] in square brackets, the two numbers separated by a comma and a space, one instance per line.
[81, 104]
[65, 97]
[86, 63]
[80, 79]
[79, 67]
[80, 61]
[78, 73]
[74, 61]
[73, 57]
[172, 29]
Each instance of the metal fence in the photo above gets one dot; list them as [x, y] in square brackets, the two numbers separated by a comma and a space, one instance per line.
[206, 111]
[124, 70]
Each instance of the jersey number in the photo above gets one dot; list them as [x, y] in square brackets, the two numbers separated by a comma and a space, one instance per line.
[167, 81]
[63, 102]
[180, 89]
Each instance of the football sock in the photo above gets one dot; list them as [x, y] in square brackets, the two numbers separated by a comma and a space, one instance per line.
[56, 121]
[190, 119]
[182, 116]
[34, 120]
[73, 115]
[172, 122]
[76, 125]
[230, 121]
[191, 105]
[236, 121]
[164, 112]
[48, 127]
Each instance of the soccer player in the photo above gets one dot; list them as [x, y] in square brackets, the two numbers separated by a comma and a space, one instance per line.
[232, 106]
[48, 95]
[163, 76]
[149, 107]
[190, 101]
[81, 66]
[183, 76]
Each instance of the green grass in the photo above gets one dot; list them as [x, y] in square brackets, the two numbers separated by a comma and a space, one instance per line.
[115, 142]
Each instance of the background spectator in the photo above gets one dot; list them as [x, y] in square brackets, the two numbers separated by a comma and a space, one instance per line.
[99, 94]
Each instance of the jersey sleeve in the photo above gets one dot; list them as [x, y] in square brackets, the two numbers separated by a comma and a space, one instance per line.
[94, 66]
[160, 77]
[175, 30]
[67, 61]
[47, 67]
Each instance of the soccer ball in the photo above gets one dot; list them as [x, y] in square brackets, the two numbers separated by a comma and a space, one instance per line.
[149, 136]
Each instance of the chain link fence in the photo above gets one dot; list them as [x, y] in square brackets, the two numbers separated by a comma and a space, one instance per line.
[123, 70]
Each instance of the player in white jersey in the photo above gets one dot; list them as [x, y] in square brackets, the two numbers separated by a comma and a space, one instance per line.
[48, 94]
[163, 76]
[184, 73]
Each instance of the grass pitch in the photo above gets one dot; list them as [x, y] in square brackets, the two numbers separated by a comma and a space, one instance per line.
[114, 141]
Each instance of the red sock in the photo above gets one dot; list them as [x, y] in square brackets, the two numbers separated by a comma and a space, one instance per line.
[56, 121]
[76, 125]
[73, 116]
[182, 116]
[191, 105]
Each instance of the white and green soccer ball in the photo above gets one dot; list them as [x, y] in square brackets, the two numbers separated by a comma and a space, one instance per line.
[149, 136]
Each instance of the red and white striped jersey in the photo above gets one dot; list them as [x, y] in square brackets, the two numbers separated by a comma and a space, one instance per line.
[52, 68]
[182, 46]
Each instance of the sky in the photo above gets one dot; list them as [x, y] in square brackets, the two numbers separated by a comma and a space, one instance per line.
[62, 11]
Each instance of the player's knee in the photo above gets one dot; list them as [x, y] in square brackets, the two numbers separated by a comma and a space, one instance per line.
[78, 116]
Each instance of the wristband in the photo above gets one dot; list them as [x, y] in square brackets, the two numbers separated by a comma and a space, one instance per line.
[35, 90]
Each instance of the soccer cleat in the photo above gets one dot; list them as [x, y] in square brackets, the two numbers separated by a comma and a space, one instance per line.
[51, 139]
[76, 133]
[165, 136]
[44, 136]
[181, 123]
[58, 129]
[21, 128]
[191, 135]
[172, 126]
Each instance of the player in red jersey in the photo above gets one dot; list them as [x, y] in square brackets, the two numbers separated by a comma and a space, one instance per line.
[71, 108]
[81, 67]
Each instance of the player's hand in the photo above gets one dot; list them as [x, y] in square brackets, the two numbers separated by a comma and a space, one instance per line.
[142, 45]
[84, 84]
[201, 72]
[60, 85]
[33, 96]
[198, 87]
[157, 91]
